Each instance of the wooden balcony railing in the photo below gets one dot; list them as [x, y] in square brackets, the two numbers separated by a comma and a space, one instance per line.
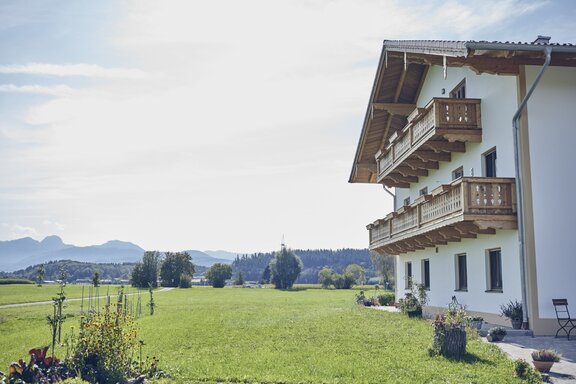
[432, 133]
[465, 208]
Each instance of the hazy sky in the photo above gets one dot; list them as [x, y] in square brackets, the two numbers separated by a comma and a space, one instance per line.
[209, 124]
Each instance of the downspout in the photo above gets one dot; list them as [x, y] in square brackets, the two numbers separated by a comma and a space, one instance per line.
[519, 187]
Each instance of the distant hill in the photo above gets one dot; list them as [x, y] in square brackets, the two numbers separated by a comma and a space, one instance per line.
[205, 260]
[21, 253]
[222, 254]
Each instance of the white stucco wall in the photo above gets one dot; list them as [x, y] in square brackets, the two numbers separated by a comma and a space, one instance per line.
[552, 132]
[443, 272]
[499, 102]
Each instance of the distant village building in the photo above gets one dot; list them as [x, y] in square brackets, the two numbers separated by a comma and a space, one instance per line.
[482, 206]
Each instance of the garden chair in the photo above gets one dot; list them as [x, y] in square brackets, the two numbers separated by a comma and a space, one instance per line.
[566, 323]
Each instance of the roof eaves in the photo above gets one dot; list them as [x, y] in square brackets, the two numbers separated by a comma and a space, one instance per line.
[428, 47]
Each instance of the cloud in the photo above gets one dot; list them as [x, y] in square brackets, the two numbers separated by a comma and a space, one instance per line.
[54, 224]
[84, 70]
[57, 90]
[16, 231]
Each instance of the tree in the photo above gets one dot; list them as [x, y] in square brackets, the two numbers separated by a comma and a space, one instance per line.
[96, 279]
[239, 280]
[345, 281]
[174, 266]
[385, 266]
[146, 272]
[265, 279]
[285, 268]
[218, 274]
[358, 272]
[40, 274]
[325, 277]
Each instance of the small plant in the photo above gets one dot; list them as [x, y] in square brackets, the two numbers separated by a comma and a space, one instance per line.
[496, 334]
[413, 302]
[546, 355]
[525, 372]
[386, 299]
[360, 297]
[475, 318]
[512, 311]
[40, 369]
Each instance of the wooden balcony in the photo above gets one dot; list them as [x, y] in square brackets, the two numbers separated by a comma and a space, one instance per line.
[463, 209]
[431, 135]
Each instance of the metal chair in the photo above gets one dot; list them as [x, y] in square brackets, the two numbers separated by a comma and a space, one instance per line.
[566, 323]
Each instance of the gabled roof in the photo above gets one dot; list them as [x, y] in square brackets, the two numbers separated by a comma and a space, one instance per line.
[401, 72]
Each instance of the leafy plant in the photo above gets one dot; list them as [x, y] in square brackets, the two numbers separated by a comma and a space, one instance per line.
[497, 331]
[525, 372]
[415, 299]
[512, 310]
[387, 298]
[40, 369]
[546, 355]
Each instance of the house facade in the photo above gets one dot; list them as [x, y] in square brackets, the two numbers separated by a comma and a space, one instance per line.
[476, 140]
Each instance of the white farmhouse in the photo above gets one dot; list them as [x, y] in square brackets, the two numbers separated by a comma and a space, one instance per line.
[483, 207]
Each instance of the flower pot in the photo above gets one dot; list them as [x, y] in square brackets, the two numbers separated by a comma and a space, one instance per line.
[543, 366]
[516, 324]
[494, 338]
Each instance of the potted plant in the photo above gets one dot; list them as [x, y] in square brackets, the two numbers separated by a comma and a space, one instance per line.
[544, 359]
[512, 311]
[449, 331]
[413, 302]
[475, 322]
[496, 334]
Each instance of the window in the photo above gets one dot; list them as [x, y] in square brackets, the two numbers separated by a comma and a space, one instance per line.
[461, 273]
[424, 191]
[408, 275]
[407, 201]
[490, 163]
[494, 270]
[426, 273]
[458, 173]
[459, 92]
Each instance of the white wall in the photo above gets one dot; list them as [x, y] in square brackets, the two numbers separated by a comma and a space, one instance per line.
[499, 102]
[443, 272]
[552, 132]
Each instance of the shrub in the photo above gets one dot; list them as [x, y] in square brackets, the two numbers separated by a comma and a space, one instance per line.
[386, 298]
[525, 372]
[512, 310]
[15, 281]
[105, 347]
[345, 281]
[185, 281]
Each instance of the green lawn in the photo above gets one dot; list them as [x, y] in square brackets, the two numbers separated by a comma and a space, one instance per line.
[270, 336]
[27, 293]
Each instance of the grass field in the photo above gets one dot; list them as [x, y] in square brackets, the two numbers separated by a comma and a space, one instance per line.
[270, 336]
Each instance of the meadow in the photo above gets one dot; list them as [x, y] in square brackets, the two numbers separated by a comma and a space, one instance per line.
[255, 335]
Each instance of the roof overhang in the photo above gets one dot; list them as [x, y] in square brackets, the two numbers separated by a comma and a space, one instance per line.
[401, 72]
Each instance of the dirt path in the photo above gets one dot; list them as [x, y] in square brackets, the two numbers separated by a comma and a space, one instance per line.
[77, 299]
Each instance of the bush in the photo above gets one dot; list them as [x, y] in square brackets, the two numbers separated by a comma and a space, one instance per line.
[15, 281]
[345, 281]
[185, 281]
[525, 372]
[218, 274]
[106, 344]
[386, 298]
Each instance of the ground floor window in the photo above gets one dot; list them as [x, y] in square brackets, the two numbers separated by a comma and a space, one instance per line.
[426, 273]
[461, 273]
[408, 274]
[494, 269]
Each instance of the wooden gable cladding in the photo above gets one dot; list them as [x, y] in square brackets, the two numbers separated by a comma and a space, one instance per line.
[463, 209]
[394, 96]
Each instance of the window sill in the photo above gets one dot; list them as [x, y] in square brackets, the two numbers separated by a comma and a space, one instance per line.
[493, 291]
[461, 290]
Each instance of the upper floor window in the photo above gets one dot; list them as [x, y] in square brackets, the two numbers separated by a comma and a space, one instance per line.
[407, 201]
[458, 173]
[490, 163]
[424, 191]
[459, 92]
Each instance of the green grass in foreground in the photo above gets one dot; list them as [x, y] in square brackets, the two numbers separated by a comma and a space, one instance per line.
[270, 336]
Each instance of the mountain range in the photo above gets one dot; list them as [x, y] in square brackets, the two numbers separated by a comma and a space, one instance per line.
[21, 253]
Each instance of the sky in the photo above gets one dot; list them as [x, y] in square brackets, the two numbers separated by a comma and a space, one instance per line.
[213, 124]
